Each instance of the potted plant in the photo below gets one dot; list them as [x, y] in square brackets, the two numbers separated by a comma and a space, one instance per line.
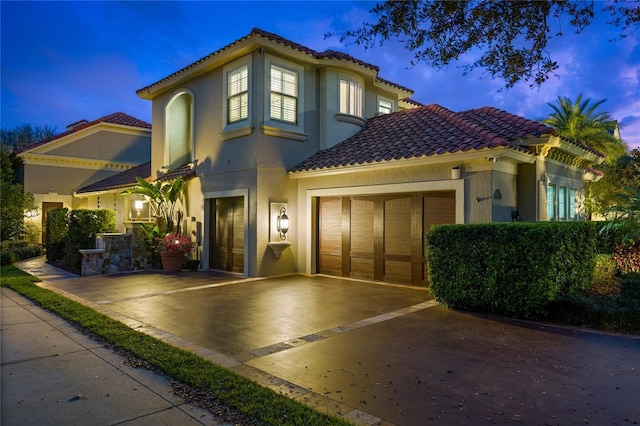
[164, 198]
[173, 248]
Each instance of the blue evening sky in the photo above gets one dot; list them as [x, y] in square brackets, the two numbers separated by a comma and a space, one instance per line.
[65, 61]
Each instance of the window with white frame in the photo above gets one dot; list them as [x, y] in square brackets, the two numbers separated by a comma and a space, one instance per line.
[562, 203]
[178, 130]
[351, 97]
[573, 213]
[284, 94]
[238, 94]
[551, 202]
[385, 106]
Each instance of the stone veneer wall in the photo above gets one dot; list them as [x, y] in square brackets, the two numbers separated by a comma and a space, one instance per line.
[113, 254]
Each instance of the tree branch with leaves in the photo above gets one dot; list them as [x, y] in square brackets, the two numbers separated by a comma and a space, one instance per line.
[511, 36]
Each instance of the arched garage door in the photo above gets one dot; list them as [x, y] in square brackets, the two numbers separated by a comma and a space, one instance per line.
[380, 237]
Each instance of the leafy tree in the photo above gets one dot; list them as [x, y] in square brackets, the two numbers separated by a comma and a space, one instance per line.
[14, 203]
[581, 121]
[511, 35]
[613, 195]
[24, 135]
[163, 197]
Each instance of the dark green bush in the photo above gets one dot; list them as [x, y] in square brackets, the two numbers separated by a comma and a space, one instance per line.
[57, 227]
[630, 287]
[607, 313]
[13, 251]
[513, 269]
[83, 227]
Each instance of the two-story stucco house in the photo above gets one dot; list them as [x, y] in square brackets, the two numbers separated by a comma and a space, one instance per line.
[87, 152]
[318, 145]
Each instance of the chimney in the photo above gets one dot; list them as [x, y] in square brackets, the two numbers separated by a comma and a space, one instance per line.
[77, 124]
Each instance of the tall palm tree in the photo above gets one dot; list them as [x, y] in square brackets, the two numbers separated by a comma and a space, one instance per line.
[580, 121]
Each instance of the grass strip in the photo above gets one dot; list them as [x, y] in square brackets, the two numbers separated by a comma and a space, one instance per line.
[231, 389]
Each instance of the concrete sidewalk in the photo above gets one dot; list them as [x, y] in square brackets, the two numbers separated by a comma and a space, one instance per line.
[53, 374]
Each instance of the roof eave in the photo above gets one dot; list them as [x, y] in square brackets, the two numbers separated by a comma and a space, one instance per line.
[505, 152]
[249, 44]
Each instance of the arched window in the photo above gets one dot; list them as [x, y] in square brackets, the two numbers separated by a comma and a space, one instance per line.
[179, 130]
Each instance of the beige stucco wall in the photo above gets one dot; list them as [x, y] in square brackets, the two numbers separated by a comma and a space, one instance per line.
[254, 164]
[108, 145]
[41, 179]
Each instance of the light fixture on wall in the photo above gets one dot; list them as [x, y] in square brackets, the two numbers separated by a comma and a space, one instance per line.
[283, 223]
[138, 204]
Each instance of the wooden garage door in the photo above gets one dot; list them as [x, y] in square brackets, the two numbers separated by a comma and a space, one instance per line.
[379, 237]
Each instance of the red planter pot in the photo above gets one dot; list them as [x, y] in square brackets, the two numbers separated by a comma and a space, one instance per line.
[172, 262]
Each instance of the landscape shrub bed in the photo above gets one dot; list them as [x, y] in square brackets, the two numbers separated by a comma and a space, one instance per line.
[513, 269]
[13, 251]
[83, 225]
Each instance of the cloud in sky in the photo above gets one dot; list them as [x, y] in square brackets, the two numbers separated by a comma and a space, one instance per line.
[63, 61]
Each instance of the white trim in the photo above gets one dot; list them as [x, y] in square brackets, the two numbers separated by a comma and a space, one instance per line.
[175, 96]
[351, 78]
[284, 133]
[248, 122]
[306, 212]
[379, 98]
[353, 119]
[236, 133]
[244, 192]
[251, 43]
[422, 161]
[83, 133]
[74, 162]
[298, 126]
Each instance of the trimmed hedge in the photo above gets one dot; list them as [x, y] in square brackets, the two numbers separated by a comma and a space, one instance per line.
[57, 228]
[513, 269]
[83, 227]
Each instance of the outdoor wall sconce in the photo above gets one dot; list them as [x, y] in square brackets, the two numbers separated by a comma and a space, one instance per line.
[455, 172]
[138, 206]
[279, 228]
[283, 223]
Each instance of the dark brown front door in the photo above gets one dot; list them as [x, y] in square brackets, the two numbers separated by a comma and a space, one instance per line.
[227, 234]
[380, 237]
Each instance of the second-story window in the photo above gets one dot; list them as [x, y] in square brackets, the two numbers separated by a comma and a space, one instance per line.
[351, 94]
[284, 94]
[238, 94]
[384, 106]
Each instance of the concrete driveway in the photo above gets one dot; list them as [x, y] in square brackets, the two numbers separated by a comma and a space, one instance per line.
[379, 354]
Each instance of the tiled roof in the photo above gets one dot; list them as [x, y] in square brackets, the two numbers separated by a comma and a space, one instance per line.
[121, 180]
[426, 131]
[127, 178]
[115, 118]
[186, 171]
[257, 32]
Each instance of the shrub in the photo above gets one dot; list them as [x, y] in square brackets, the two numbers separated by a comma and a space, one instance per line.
[514, 269]
[57, 228]
[83, 227]
[627, 257]
[605, 280]
[13, 251]
[630, 287]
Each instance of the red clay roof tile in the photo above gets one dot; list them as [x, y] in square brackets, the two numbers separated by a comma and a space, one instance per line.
[425, 131]
[115, 118]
